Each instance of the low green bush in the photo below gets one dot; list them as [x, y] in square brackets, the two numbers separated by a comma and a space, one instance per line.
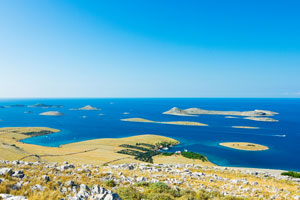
[193, 155]
[291, 173]
[129, 193]
[167, 153]
[110, 183]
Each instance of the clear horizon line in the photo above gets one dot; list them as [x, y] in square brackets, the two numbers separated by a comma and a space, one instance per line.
[292, 97]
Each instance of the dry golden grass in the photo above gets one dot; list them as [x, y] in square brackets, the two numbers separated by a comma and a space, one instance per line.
[97, 151]
[178, 159]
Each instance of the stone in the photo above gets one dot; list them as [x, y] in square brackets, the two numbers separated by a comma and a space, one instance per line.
[16, 186]
[70, 184]
[37, 187]
[18, 174]
[141, 179]
[5, 171]
[112, 196]
[46, 178]
[12, 197]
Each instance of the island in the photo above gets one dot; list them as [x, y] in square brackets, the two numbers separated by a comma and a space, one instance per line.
[246, 127]
[15, 106]
[244, 146]
[198, 111]
[262, 119]
[52, 113]
[87, 107]
[41, 105]
[231, 117]
[187, 123]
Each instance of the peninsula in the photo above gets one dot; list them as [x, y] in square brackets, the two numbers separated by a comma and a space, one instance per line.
[187, 123]
[98, 151]
[245, 146]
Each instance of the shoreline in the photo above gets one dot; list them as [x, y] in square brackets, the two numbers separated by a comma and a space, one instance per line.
[87, 148]
[95, 151]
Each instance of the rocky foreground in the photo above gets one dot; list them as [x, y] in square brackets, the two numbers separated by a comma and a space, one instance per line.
[21, 180]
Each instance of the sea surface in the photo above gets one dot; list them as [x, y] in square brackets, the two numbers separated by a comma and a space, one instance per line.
[283, 137]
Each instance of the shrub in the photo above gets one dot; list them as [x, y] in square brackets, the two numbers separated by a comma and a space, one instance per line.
[291, 173]
[110, 183]
[159, 187]
[142, 184]
[193, 155]
[159, 196]
[129, 193]
[167, 153]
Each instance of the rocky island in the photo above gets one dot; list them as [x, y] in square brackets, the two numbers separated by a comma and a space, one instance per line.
[187, 123]
[198, 111]
[87, 107]
[52, 113]
[246, 127]
[245, 146]
[262, 119]
[256, 115]
[41, 105]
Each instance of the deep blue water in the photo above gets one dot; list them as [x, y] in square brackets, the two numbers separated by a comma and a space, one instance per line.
[284, 152]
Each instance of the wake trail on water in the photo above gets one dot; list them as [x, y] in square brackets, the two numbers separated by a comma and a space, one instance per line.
[256, 134]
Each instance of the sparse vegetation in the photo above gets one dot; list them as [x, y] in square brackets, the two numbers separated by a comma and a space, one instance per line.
[135, 147]
[291, 174]
[161, 191]
[38, 133]
[165, 144]
[167, 153]
[110, 183]
[152, 146]
[193, 155]
[123, 181]
[146, 154]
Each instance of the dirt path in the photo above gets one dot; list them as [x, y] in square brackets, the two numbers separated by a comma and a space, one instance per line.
[48, 155]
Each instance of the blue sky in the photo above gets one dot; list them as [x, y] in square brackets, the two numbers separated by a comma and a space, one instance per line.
[149, 48]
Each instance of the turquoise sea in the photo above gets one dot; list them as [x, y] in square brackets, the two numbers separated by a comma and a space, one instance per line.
[282, 137]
